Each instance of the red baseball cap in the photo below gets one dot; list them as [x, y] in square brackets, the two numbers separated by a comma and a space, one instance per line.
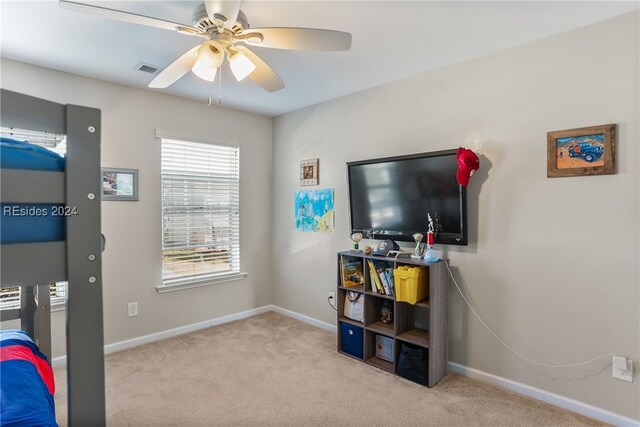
[468, 163]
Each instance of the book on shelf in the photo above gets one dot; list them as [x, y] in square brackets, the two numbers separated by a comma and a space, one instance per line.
[352, 273]
[383, 278]
[390, 279]
[374, 277]
[376, 273]
[380, 278]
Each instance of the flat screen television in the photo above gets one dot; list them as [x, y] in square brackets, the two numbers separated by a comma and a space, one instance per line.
[389, 198]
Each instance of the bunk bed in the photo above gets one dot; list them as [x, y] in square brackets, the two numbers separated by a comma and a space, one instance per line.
[76, 259]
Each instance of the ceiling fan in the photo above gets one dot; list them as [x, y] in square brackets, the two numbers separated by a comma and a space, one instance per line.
[226, 30]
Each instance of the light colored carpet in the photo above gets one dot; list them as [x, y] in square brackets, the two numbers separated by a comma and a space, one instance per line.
[271, 370]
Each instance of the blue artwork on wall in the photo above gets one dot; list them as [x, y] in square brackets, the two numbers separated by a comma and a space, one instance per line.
[314, 210]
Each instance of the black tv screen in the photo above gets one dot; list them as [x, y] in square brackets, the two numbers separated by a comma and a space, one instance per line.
[390, 198]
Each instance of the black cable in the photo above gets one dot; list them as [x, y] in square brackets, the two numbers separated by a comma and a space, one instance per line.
[329, 301]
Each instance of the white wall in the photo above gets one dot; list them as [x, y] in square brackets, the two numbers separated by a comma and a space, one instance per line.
[552, 264]
[132, 260]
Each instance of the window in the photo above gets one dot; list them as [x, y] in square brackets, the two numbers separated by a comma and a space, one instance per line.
[200, 213]
[10, 296]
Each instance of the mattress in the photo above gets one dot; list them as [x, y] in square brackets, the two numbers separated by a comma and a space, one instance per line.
[26, 382]
[24, 155]
[29, 223]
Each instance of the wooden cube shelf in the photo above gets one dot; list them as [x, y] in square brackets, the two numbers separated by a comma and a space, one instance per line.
[423, 324]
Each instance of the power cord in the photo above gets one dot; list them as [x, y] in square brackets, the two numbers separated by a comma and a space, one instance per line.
[535, 362]
[329, 299]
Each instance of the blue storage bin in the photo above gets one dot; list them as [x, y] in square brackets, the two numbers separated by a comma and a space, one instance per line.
[27, 223]
[351, 340]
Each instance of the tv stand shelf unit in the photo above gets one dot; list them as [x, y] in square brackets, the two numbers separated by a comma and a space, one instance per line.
[423, 324]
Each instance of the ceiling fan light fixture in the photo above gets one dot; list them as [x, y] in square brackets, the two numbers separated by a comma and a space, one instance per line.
[204, 71]
[241, 66]
[222, 24]
[209, 59]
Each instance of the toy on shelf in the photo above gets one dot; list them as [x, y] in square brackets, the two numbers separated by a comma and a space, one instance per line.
[417, 252]
[356, 238]
[430, 255]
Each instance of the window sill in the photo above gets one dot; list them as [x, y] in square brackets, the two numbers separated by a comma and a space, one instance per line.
[58, 307]
[199, 283]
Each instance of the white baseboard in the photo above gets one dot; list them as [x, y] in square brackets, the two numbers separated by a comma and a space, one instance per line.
[145, 339]
[545, 396]
[306, 319]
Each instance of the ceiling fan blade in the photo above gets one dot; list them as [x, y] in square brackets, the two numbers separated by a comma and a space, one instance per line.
[298, 38]
[133, 18]
[227, 8]
[263, 74]
[176, 69]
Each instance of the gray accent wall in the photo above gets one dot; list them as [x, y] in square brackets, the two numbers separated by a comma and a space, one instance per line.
[552, 265]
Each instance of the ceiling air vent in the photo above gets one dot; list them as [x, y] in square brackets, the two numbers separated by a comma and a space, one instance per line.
[147, 68]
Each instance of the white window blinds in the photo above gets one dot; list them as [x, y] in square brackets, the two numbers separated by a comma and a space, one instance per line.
[200, 211]
[10, 296]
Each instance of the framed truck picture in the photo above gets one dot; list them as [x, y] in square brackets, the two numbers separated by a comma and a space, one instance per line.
[582, 151]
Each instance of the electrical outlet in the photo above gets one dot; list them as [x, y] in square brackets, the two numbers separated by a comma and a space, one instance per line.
[133, 309]
[332, 300]
[623, 368]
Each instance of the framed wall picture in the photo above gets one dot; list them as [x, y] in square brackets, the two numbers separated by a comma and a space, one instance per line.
[119, 184]
[314, 210]
[309, 172]
[582, 151]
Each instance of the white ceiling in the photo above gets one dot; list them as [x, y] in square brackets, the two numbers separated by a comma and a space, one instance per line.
[391, 40]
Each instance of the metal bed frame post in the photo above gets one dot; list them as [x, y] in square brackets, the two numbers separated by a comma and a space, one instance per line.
[85, 342]
[28, 311]
[42, 319]
[77, 260]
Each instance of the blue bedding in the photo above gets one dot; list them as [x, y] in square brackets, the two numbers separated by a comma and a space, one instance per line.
[28, 223]
[24, 155]
[26, 382]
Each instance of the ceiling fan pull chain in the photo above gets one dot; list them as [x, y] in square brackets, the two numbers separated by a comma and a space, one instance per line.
[220, 88]
[210, 98]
